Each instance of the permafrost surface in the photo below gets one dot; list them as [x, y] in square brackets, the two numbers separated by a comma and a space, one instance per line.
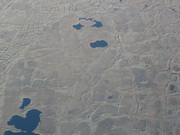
[129, 87]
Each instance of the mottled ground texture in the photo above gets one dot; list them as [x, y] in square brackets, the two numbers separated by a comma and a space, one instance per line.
[130, 87]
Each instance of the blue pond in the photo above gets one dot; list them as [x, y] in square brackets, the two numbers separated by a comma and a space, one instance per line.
[100, 43]
[26, 102]
[18, 133]
[96, 24]
[78, 26]
[25, 124]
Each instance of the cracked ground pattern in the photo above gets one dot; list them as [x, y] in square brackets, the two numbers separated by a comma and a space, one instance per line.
[130, 87]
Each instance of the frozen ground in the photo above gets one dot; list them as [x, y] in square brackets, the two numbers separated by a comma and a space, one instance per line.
[129, 87]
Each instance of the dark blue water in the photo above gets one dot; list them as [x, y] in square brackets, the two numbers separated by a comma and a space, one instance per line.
[78, 26]
[18, 133]
[99, 43]
[97, 24]
[26, 102]
[26, 124]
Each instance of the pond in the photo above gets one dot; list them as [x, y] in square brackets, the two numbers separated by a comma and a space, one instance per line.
[99, 43]
[26, 102]
[25, 124]
[96, 24]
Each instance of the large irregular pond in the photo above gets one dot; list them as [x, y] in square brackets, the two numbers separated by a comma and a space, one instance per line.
[25, 124]
[96, 24]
